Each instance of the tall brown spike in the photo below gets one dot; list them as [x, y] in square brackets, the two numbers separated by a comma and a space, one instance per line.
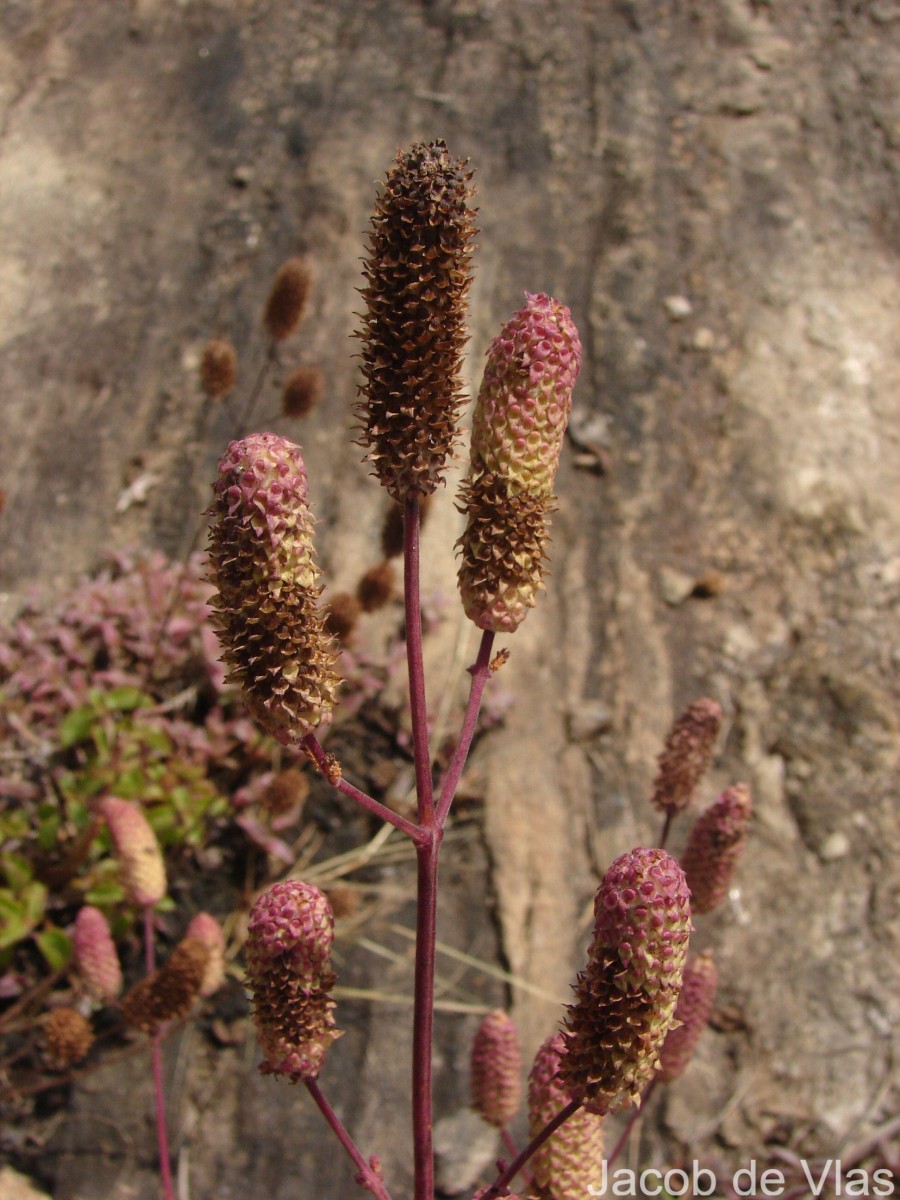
[418, 274]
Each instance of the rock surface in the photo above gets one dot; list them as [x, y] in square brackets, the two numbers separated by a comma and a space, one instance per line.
[158, 162]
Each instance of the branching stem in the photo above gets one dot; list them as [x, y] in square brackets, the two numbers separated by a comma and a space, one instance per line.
[480, 672]
[509, 1174]
[159, 1093]
[368, 1178]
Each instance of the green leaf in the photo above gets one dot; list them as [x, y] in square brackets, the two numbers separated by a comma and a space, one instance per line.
[14, 923]
[125, 699]
[76, 726]
[105, 893]
[48, 831]
[55, 946]
[17, 870]
[34, 900]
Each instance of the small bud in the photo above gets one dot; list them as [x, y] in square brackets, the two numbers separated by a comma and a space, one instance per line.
[302, 392]
[341, 616]
[569, 1162]
[714, 846]
[206, 929]
[692, 1013]
[496, 1069]
[141, 864]
[287, 299]
[518, 427]
[168, 994]
[288, 950]
[686, 756]
[418, 274]
[95, 954]
[67, 1037]
[266, 607]
[218, 368]
[376, 587]
[625, 998]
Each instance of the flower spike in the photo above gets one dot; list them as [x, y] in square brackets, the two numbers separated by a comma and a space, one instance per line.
[517, 432]
[263, 566]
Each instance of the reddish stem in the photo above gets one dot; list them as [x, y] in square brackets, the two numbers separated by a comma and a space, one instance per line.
[666, 829]
[509, 1174]
[480, 670]
[630, 1124]
[419, 836]
[423, 1016]
[159, 1093]
[415, 667]
[367, 1175]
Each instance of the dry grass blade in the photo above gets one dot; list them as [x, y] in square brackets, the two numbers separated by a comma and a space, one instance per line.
[451, 1006]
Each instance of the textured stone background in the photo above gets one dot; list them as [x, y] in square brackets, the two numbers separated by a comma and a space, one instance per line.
[713, 188]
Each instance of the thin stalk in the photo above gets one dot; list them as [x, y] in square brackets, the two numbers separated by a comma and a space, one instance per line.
[418, 835]
[423, 1016]
[258, 384]
[666, 829]
[159, 1093]
[368, 1178]
[480, 670]
[509, 1174]
[415, 667]
[633, 1118]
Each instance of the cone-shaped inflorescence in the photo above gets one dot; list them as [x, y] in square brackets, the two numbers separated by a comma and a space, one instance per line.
[267, 581]
[497, 1069]
[714, 846]
[517, 432]
[66, 1036]
[686, 755]
[625, 998]
[168, 994]
[692, 1013]
[95, 955]
[418, 274]
[141, 866]
[289, 975]
[569, 1161]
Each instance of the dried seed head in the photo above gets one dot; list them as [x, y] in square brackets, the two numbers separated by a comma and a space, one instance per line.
[714, 846]
[693, 1010]
[517, 431]
[503, 552]
[218, 368]
[206, 929]
[496, 1069]
[168, 994]
[625, 998]
[686, 756]
[525, 397]
[289, 940]
[341, 615]
[141, 864]
[287, 299]
[569, 1161]
[418, 274]
[303, 392]
[376, 587]
[266, 607]
[345, 901]
[95, 954]
[287, 791]
[66, 1036]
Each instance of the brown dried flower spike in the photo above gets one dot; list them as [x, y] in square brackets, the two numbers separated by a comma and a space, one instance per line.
[287, 299]
[418, 274]
[67, 1037]
[302, 392]
[169, 993]
[218, 368]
